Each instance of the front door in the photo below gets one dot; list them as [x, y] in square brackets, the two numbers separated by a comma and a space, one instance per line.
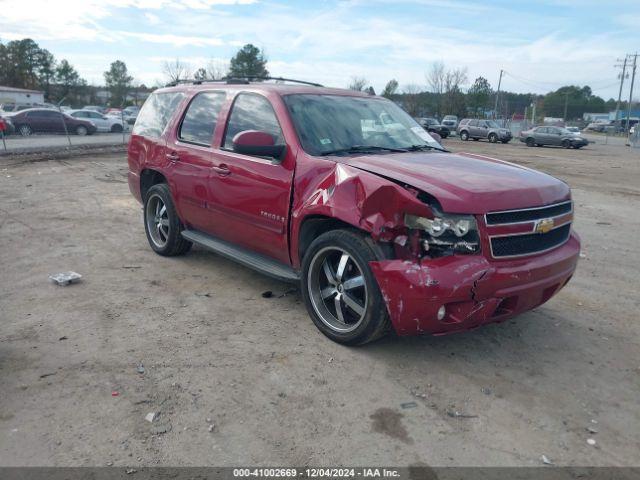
[249, 195]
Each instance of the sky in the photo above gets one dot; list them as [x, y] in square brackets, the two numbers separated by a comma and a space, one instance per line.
[540, 44]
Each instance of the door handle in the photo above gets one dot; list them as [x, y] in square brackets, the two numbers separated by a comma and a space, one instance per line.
[173, 157]
[222, 170]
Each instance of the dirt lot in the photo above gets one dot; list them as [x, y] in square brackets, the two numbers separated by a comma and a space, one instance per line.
[216, 352]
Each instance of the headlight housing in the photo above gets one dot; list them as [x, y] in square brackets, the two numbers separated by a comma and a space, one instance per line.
[446, 234]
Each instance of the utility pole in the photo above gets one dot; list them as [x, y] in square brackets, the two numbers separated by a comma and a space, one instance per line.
[633, 77]
[495, 108]
[624, 69]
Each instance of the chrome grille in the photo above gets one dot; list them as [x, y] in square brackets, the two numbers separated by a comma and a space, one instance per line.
[529, 231]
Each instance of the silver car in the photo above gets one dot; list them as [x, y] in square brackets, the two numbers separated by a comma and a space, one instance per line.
[102, 122]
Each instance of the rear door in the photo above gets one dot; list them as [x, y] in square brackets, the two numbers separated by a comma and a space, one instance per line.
[250, 195]
[190, 155]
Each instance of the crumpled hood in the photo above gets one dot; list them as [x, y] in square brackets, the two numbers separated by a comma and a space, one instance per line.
[465, 182]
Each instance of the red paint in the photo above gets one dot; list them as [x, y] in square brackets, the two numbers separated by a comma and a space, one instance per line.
[261, 205]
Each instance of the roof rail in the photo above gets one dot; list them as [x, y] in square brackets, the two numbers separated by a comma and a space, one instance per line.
[241, 81]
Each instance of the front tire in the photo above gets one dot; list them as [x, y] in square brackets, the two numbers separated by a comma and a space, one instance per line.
[493, 138]
[464, 135]
[340, 291]
[566, 144]
[161, 223]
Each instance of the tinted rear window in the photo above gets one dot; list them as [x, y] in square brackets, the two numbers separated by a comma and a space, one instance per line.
[156, 113]
[201, 117]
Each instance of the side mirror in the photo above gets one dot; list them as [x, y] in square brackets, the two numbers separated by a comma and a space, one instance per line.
[260, 144]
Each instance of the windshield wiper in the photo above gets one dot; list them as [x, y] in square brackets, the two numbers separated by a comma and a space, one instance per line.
[363, 148]
[415, 148]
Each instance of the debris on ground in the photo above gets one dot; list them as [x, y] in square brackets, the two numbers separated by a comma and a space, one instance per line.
[583, 255]
[152, 416]
[45, 375]
[115, 393]
[546, 460]
[486, 390]
[267, 294]
[591, 441]
[130, 471]
[140, 368]
[288, 292]
[456, 414]
[592, 430]
[131, 267]
[408, 405]
[206, 294]
[65, 278]
[160, 428]
[211, 427]
[63, 338]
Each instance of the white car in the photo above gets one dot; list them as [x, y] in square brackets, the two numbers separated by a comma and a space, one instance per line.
[451, 122]
[573, 130]
[102, 122]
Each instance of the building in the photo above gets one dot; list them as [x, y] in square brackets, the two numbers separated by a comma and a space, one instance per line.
[21, 96]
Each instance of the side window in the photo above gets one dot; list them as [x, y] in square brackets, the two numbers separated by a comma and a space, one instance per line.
[156, 113]
[201, 118]
[252, 112]
[473, 123]
[80, 114]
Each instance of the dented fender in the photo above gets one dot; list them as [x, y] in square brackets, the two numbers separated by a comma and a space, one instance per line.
[359, 198]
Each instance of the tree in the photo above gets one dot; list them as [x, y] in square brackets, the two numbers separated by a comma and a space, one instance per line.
[576, 100]
[68, 80]
[250, 61]
[454, 100]
[118, 82]
[357, 83]
[390, 88]
[25, 64]
[200, 74]
[217, 69]
[435, 80]
[479, 95]
[46, 71]
[411, 99]
[176, 71]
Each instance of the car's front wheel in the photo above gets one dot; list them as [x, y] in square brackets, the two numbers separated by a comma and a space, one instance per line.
[161, 223]
[493, 138]
[340, 291]
[566, 144]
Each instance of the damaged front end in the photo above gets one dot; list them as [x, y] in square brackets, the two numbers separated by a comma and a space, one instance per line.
[435, 273]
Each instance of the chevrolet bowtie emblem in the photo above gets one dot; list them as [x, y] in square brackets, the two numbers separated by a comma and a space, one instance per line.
[544, 225]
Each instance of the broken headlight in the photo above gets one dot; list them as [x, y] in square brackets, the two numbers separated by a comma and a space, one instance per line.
[446, 234]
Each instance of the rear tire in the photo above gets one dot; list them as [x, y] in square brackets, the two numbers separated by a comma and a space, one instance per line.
[116, 128]
[81, 130]
[340, 291]
[530, 142]
[161, 223]
[464, 135]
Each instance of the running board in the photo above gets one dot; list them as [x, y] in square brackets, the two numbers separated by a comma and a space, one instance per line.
[249, 259]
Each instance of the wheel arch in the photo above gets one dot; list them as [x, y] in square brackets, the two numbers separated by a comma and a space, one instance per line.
[148, 178]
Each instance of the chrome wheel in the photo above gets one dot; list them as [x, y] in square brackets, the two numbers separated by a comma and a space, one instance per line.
[337, 289]
[25, 130]
[157, 219]
[80, 130]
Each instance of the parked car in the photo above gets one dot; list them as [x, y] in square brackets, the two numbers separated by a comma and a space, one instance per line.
[103, 123]
[6, 126]
[451, 122]
[381, 228]
[599, 126]
[632, 130]
[432, 125]
[556, 136]
[46, 120]
[486, 129]
[130, 114]
[16, 107]
[573, 130]
[95, 108]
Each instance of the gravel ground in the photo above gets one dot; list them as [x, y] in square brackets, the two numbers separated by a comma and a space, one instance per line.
[241, 379]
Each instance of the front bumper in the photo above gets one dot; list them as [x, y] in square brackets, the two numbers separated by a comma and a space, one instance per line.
[474, 290]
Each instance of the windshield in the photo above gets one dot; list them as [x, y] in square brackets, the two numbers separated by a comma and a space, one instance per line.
[335, 123]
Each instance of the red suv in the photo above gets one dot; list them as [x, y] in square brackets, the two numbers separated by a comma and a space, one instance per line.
[345, 194]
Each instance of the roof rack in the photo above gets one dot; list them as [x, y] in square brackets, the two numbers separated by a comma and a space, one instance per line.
[241, 81]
